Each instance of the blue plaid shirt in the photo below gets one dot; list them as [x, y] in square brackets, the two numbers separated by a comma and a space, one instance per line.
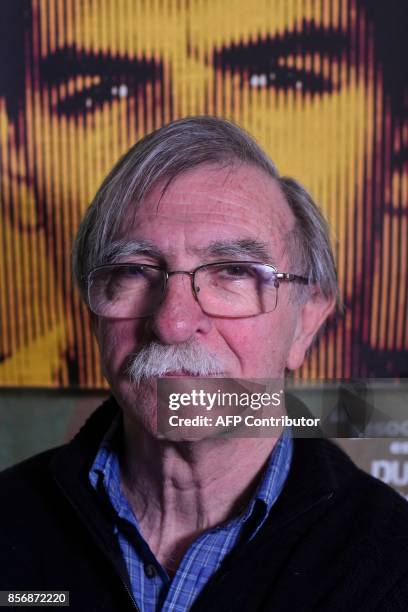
[152, 588]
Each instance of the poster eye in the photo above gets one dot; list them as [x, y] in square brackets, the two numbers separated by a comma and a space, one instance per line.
[289, 78]
[93, 97]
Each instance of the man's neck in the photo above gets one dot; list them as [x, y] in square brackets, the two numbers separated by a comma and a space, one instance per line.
[177, 490]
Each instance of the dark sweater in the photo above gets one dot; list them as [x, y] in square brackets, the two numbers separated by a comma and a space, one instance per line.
[336, 539]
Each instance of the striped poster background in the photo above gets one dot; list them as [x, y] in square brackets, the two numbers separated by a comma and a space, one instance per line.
[319, 83]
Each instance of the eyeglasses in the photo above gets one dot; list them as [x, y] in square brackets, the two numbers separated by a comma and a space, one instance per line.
[225, 289]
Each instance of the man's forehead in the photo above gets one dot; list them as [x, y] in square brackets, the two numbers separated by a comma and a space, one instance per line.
[239, 190]
[150, 28]
[211, 179]
[213, 213]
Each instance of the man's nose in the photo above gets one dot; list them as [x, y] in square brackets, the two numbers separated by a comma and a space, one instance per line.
[179, 316]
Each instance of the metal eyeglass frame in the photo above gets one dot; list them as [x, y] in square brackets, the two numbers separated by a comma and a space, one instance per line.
[280, 277]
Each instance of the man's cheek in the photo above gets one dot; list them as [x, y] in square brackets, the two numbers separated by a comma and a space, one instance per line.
[115, 335]
[114, 350]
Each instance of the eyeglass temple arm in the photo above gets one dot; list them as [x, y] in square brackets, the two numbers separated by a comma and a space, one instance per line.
[292, 278]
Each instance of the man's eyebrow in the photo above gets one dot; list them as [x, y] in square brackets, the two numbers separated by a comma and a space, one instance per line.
[68, 62]
[309, 39]
[245, 247]
[123, 248]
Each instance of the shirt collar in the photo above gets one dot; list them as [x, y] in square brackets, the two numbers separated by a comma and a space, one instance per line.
[271, 484]
[105, 469]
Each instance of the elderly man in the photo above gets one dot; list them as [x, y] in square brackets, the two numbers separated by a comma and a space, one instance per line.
[197, 259]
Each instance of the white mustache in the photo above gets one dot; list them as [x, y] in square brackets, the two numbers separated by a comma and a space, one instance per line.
[155, 359]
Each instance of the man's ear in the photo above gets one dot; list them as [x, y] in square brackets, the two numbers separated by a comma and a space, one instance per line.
[312, 315]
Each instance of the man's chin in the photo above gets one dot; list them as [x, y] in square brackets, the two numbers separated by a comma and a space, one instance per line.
[181, 437]
[145, 400]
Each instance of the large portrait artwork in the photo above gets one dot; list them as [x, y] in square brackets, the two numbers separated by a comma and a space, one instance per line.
[320, 84]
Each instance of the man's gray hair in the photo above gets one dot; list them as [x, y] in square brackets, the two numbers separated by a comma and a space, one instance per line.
[170, 151]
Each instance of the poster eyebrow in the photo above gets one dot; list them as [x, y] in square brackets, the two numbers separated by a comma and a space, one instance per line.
[69, 62]
[311, 39]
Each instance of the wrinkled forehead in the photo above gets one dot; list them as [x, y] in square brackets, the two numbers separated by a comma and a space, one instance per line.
[235, 188]
[212, 204]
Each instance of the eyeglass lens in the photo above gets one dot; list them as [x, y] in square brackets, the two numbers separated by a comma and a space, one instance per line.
[231, 290]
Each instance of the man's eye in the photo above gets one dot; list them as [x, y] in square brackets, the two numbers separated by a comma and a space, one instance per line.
[235, 272]
[133, 271]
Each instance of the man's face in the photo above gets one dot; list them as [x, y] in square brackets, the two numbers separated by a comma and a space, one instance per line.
[117, 70]
[203, 207]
